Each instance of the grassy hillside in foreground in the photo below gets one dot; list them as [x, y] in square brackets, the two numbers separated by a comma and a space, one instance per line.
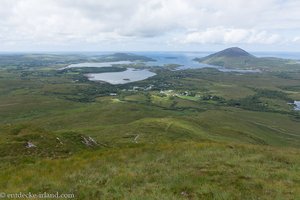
[195, 134]
[186, 170]
[119, 122]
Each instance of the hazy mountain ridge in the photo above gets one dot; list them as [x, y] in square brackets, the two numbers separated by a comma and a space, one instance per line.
[126, 57]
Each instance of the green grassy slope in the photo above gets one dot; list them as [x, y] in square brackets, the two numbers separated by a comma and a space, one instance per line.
[213, 144]
[186, 170]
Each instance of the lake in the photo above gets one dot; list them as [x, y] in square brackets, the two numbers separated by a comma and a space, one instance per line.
[297, 105]
[184, 59]
[98, 64]
[130, 75]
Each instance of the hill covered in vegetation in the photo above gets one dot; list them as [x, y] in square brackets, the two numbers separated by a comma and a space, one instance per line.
[238, 58]
[183, 134]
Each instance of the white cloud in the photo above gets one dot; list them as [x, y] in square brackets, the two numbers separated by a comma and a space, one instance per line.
[296, 40]
[73, 23]
[221, 35]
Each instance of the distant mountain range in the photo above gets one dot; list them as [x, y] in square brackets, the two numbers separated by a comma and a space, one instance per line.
[238, 58]
[125, 57]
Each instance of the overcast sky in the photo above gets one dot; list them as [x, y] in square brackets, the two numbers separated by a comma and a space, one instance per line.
[149, 25]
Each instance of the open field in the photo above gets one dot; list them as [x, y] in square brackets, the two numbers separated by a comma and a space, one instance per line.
[186, 134]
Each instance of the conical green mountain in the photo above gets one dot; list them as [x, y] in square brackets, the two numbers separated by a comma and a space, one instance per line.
[236, 57]
[231, 52]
